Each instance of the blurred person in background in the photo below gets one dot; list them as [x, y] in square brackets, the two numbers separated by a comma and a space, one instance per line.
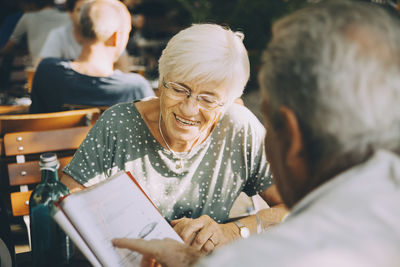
[331, 94]
[65, 41]
[14, 11]
[91, 79]
[35, 25]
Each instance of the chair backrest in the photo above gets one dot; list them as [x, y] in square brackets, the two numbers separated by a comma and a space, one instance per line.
[25, 137]
[77, 107]
[46, 121]
[13, 109]
[26, 148]
[25, 170]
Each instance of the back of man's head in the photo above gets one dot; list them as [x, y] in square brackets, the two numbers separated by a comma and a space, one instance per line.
[39, 4]
[100, 19]
[337, 66]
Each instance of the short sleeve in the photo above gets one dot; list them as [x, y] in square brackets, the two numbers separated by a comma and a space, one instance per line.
[259, 176]
[20, 29]
[94, 160]
[87, 162]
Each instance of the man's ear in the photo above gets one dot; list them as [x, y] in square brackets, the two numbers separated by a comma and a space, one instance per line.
[112, 40]
[295, 157]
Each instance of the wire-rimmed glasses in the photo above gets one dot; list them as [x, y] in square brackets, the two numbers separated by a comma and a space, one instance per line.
[177, 91]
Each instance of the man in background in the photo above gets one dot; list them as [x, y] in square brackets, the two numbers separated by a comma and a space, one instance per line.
[35, 25]
[65, 41]
[91, 79]
[331, 85]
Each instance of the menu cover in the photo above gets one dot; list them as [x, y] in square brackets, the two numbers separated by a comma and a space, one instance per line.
[115, 208]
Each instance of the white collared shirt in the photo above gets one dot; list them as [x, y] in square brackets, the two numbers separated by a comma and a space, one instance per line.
[351, 220]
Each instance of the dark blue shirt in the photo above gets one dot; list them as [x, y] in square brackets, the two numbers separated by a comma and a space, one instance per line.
[56, 84]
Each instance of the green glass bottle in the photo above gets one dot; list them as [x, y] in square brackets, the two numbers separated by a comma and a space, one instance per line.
[50, 245]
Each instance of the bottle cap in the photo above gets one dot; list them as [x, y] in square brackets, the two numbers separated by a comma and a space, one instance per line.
[49, 160]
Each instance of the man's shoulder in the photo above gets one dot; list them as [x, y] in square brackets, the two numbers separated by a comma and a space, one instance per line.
[51, 69]
[133, 81]
[267, 247]
[123, 76]
[51, 62]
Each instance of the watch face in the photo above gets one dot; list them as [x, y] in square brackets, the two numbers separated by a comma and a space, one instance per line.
[244, 232]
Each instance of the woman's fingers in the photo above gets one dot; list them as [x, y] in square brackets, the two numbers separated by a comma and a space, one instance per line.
[187, 229]
[197, 232]
[208, 237]
[208, 247]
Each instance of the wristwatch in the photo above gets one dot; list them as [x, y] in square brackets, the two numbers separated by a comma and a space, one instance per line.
[243, 230]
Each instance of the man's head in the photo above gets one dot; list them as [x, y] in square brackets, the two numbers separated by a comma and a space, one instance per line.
[105, 22]
[331, 80]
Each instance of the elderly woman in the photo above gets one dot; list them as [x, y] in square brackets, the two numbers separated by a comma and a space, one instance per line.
[193, 150]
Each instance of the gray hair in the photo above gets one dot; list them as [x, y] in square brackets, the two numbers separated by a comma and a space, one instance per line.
[101, 18]
[337, 66]
[207, 53]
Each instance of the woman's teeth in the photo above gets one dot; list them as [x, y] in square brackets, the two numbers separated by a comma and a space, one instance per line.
[186, 122]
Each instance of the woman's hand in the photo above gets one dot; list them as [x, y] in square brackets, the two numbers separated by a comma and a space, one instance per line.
[203, 233]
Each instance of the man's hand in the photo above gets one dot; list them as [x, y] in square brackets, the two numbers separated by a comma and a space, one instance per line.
[203, 233]
[168, 252]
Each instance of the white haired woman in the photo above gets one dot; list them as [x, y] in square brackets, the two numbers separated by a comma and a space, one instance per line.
[193, 150]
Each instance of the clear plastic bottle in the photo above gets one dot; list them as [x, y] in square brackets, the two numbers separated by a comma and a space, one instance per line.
[50, 245]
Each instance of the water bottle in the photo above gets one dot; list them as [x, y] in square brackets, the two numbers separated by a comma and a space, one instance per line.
[50, 245]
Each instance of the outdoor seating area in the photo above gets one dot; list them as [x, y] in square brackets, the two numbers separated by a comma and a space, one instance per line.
[269, 128]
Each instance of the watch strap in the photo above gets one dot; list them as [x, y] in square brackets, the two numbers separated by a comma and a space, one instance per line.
[238, 224]
[243, 230]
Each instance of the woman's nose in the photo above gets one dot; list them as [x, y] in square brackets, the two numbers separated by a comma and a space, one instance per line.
[190, 106]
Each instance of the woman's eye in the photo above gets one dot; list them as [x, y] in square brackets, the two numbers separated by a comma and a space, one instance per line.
[209, 100]
[179, 90]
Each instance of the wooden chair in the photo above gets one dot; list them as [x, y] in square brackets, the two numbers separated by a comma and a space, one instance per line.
[46, 121]
[28, 136]
[76, 106]
[13, 109]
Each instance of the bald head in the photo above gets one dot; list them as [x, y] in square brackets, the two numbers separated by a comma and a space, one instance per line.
[100, 19]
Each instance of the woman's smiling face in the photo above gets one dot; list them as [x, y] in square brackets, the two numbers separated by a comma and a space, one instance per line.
[185, 120]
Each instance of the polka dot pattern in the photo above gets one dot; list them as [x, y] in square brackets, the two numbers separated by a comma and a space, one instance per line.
[230, 161]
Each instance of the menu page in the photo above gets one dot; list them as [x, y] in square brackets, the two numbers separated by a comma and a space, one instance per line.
[113, 209]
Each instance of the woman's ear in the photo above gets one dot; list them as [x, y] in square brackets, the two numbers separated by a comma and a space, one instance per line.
[295, 154]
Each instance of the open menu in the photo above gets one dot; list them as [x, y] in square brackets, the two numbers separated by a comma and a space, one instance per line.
[115, 208]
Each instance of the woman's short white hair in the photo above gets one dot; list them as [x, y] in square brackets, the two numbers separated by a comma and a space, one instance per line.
[207, 53]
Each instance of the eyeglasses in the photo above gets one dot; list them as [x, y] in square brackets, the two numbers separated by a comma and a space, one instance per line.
[179, 92]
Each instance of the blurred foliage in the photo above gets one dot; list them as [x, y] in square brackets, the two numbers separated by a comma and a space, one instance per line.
[253, 17]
